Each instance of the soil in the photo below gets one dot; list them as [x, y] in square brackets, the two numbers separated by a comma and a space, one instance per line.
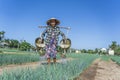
[101, 70]
[90, 72]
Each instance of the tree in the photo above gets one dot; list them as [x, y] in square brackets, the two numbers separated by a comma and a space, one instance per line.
[33, 48]
[2, 35]
[90, 51]
[12, 43]
[96, 50]
[113, 45]
[6, 41]
[83, 51]
[117, 51]
[15, 43]
[72, 50]
[25, 46]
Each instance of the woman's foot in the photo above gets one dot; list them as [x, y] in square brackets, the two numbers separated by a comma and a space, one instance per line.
[48, 60]
[54, 60]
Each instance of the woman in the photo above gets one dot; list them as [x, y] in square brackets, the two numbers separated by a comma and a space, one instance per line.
[52, 32]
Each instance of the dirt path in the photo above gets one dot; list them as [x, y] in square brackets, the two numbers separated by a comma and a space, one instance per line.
[107, 71]
[101, 70]
[31, 65]
[89, 73]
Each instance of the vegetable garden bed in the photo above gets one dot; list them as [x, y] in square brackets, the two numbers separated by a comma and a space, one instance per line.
[53, 72]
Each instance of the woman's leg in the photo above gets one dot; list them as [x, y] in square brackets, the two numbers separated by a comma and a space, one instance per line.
[54, 52]
[48, 53]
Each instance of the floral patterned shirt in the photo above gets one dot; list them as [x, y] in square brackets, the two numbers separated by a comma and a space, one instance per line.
[52, 33]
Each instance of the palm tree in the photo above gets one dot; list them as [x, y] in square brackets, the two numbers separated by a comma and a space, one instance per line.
[2, 35]
[113, 45]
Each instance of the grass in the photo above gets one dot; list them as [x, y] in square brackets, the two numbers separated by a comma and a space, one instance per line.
[20, 58]
[9, 50]
[66, 71]
[116, 59]
[14, 56]
[6, 59]
[53, 72]
[108, 57]
[105, 57]
[1, 51]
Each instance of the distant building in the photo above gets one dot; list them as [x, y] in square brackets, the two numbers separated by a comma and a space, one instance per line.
[77, 51]
[103, 49]
[111, 52]
[3, 44]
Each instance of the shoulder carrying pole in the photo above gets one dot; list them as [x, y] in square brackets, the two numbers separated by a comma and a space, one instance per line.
[68, 28]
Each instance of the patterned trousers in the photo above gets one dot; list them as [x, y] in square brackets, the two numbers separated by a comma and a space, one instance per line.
[51, 50]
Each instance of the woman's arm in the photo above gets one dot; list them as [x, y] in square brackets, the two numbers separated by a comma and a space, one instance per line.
[43, 34]
[62, 34]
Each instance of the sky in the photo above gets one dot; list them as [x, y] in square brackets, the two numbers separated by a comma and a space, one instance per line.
[94, 23]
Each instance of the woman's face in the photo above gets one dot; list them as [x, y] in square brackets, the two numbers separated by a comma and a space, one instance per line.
[53, 23]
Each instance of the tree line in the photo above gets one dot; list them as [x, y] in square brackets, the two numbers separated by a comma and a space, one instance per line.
[22, 45]
[114, 46]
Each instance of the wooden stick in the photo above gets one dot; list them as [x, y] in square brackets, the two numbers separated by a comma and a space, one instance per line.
[68, 28]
